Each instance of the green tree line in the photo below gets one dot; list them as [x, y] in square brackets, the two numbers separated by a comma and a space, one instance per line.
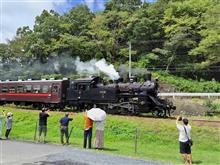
[180, 36]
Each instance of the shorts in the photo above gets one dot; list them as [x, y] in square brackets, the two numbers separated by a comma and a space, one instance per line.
[185, 148]
[42, 128]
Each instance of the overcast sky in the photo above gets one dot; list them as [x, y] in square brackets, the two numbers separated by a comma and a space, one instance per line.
[17, 13]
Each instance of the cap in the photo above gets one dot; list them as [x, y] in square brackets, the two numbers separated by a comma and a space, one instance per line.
[9, 114]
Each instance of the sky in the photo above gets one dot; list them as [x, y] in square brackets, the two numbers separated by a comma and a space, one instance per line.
[18, 13]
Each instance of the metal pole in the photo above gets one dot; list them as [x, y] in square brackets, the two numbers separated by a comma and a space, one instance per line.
[35, 132]
[70, 133]
[129, 43]
[135, 140]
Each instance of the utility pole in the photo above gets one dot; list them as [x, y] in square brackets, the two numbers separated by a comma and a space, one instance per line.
[129, 43]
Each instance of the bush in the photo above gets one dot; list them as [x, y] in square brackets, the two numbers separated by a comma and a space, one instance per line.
[183, 85]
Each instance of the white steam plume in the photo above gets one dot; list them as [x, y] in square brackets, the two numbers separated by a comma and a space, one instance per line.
[107, 69]
[94, 66]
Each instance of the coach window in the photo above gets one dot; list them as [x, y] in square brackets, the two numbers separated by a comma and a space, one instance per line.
[20, 89]
[45, 89]
[54, 89]
[36, 89]
[11, 89]
[27, 88]
[4, 89]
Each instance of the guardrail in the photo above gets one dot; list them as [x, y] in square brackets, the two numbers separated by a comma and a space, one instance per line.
[189, 95]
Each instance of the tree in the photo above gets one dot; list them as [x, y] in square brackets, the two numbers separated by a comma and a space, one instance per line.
[208, 50]
[182, 24]
[123, 5]
[77, 20]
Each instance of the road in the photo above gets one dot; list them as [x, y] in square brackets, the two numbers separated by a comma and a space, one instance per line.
[27, 153]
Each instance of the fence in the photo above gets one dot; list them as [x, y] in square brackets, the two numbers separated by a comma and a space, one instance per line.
[209, 95]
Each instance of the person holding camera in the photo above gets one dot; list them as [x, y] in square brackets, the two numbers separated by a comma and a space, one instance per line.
[184, 139]
[43, 123]
[64, 123]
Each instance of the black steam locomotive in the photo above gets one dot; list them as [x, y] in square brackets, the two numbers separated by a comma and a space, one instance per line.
[122, 98]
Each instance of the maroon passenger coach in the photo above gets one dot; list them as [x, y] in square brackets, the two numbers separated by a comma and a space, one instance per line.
[38, 93]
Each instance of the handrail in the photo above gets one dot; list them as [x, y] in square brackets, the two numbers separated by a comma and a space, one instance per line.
[189, 94]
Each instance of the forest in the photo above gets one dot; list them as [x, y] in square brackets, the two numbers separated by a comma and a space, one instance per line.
[181, 37]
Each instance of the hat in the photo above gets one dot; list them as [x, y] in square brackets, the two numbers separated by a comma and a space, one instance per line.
[9, 114]
[66, 114]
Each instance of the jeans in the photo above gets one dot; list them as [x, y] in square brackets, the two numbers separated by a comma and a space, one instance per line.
[7, 133]
[88, 134]
[42, 128]
[64, 130]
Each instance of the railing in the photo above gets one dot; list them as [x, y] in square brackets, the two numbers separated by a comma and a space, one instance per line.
[189, 95]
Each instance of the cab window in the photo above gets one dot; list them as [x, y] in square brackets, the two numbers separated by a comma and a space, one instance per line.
[82, 87]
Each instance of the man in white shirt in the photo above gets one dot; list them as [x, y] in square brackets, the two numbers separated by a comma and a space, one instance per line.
[184, 136]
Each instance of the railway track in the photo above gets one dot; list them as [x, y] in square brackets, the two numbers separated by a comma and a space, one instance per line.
[209, 121]
[203, 122]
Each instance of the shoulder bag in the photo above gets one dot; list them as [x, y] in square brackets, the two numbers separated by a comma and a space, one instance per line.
[189, 141]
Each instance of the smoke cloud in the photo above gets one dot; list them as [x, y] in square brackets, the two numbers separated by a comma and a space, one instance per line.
[93, 66]
[62, 64]
[123, 70]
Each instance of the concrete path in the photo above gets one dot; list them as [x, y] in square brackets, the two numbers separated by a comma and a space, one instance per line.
[25, 153]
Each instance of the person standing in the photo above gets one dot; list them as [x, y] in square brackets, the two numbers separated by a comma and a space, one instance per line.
[87, 131]
[8, 124]
[2, 115]
[64, 122]
[184, 136]
[43, 123]
[99, 138]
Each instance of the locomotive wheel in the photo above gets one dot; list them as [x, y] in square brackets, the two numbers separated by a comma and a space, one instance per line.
[158, 112]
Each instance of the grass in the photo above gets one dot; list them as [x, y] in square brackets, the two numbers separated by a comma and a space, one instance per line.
[157, 138]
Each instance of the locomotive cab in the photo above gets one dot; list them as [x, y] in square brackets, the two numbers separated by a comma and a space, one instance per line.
[88, 91]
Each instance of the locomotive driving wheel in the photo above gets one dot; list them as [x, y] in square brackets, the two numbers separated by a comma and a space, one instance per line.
[159, 112]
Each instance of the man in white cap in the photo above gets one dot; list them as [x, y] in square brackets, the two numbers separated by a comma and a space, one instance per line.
[8, 124]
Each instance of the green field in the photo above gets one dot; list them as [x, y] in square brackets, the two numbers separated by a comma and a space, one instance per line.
[157, 138]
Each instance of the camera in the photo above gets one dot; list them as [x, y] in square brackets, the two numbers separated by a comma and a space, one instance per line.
[180, 118]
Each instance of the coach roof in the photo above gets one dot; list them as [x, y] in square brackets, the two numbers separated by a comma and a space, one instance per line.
[32, 81]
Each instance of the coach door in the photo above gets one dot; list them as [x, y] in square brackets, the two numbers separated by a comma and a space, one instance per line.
[55, 93]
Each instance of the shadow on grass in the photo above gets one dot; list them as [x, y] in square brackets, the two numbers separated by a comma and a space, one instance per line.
[109, 149]
[148, 115]
[197, 162]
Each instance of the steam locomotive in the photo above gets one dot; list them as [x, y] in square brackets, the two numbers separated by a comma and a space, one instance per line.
[122, 98]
